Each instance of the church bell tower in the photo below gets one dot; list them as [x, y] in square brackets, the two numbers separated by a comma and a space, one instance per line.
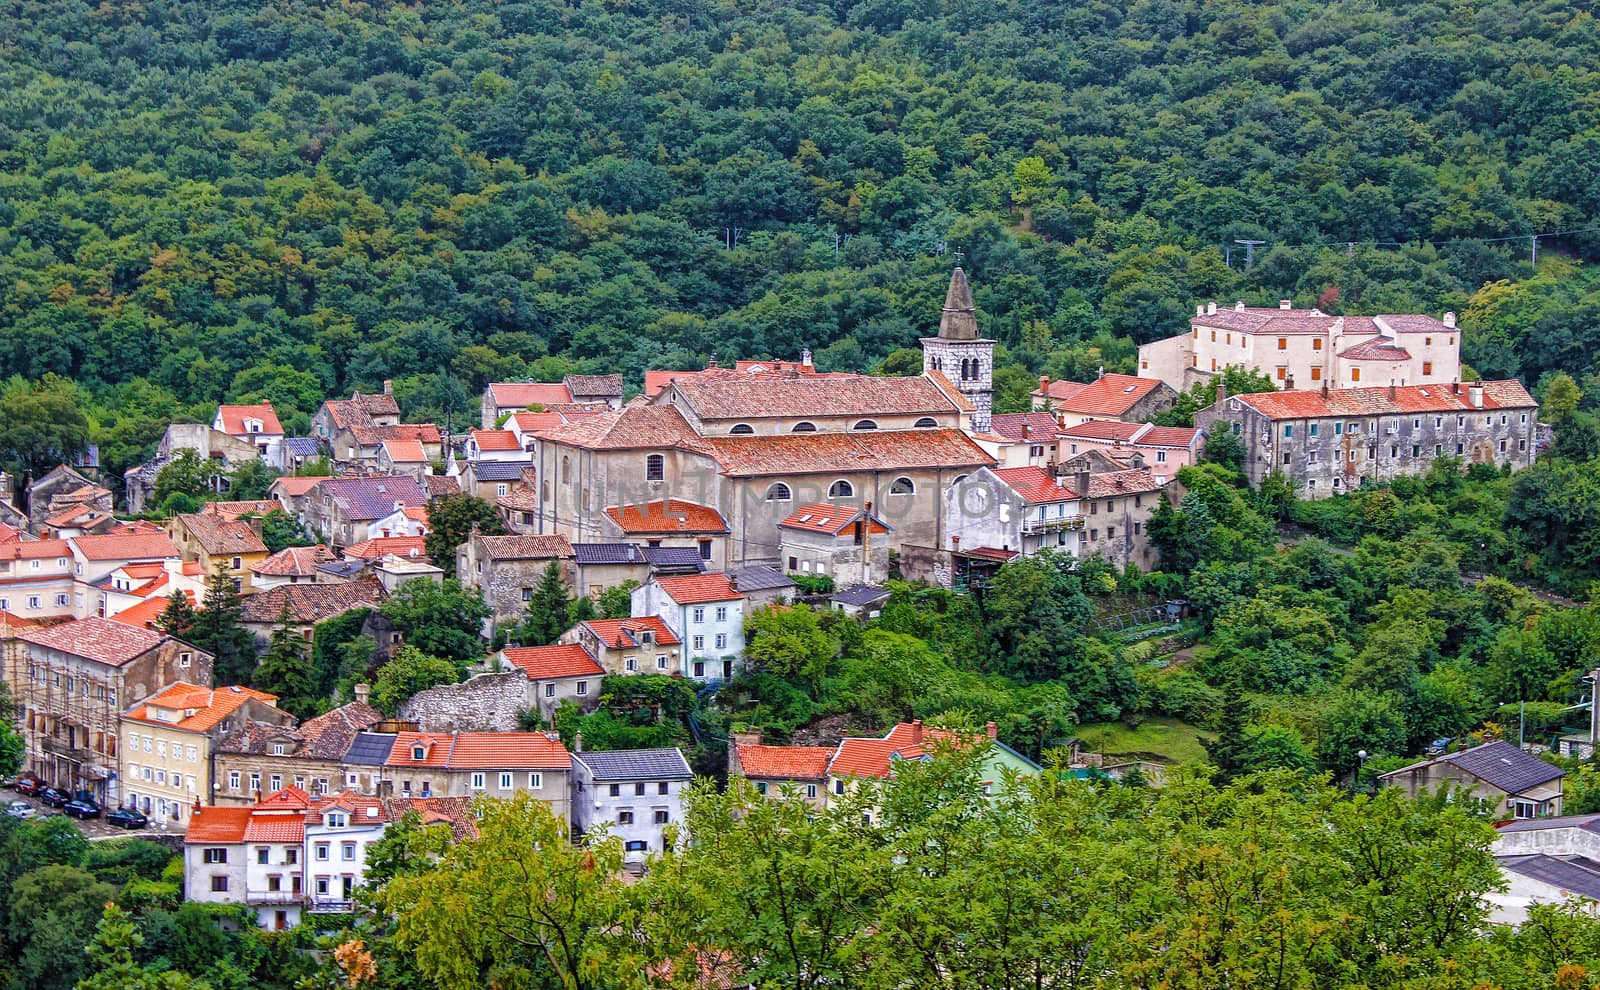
[960, 354]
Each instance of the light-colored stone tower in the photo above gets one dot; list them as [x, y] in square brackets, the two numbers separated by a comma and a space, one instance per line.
[963, 356]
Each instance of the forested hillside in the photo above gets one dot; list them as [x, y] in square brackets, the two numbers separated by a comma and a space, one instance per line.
[214, 200]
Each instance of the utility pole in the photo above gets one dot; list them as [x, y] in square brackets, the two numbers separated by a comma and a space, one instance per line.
[1249, 249]
[1533, 239]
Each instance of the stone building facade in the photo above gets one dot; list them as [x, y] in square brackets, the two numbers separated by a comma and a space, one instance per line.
[507, 569]
[1331, 441]
[485, 703]
[960, 354]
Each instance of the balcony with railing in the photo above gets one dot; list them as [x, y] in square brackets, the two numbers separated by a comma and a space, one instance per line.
[330, 905]
[1051, 524]
[265, 896]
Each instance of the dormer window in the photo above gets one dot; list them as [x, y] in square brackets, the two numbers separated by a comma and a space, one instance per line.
[741, 430]
[334, 819]
[419, 752]
[277, 749]
[803, 427]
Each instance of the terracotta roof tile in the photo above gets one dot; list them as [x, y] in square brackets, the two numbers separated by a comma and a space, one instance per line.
[145, 614]
[542, 663]
[141, 547]
[293, 562]
[382, 546]
[233, 419]
[1035, 485]
[1110, 395]
[1034, 427]
[404, 451]
[631, 427]
[1168, 436]
[1376, 349]
[362, 808]
[210, 705]
[310, 603]
[844, 453]
[538, 547]
[593, 386]
[525, 394]
[495, 440]
[101, 640]
[950, 391]
[35, 549]
[623, 634]
[1313, 404]
[219, 536]
[695, 589]
[233, 510]
[214, 825]
[299, 484]
[533, 422]
[439, 485]
[1061, 390]
[737, 396]
[329, 735]
[481, 751]
[1104, 429]
[456, 812]
[858, 757]
[1133, 481]
[830, 518]
[667, 516]
[785, 762]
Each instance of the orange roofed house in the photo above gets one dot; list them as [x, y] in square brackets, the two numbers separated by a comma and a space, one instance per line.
[1328, 441]
[167, 742]
[706, 612]
[73, 682]
[1116, 397]
[641, 645]
[481, 764]
[825, 774]
[562, 672]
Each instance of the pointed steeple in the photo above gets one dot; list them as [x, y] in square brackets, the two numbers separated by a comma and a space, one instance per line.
[960, 318]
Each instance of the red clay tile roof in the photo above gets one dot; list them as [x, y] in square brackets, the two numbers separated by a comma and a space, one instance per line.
[1034, 427]
[1110, 395]
[382, 546]
[369, 436]
[1061, 390]
[496, 440]
[1264, 320]
[785, 762]
[1313, 404]
[310, 602]
[949, 390]
[1104, 429]
[36, 549]
[525, 394]
[621, 634]
[844, 453]
[872, 757]
[125, 547]
[329, 735]
[1376, 349]
[10, 534]
[439, 485]
[1168, 436]
[829, 518]
[82, 514]
[233, 510]
[283, 828]
[148, 611]
[542, 663]
[1035, 485]
[481, 751]
[628, 428]
[537, 547]
[288, 799]
[667, 516]
[213, 825]
[233, 418]
[101, 640]
[293, 562]
[299, 484]
[735, 396]
[360, 807]
[695, 589]
[655, 381]
[533, 422]
[15, 621]
[990, 553]
[405, 451]
[219, 536]
[210, 705]
[456, 812]
[1130, 482]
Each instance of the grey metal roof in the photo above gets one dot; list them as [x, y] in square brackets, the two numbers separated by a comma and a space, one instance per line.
[1587, 823]
[760, 578]
[370, 749]
[499, 470]
[301, 446]
[1575, 874]
[674, 558]
[1503, 765]
[342, 568]
[636, 764]
[860, 594]
[607, 553]
[375, 497]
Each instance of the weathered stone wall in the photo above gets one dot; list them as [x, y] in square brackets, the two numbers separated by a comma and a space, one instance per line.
[485, 703]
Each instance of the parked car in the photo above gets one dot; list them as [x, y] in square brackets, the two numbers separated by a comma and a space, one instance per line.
[9, 783]
[52, 798]
[29, 784]
[83, 810]
[19, 809]
[129, 818]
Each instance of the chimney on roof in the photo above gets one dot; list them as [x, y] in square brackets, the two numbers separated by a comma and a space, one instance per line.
[1044, 384]
[1199, 310]
[1450, 320]
[1222, 391]
[1475, 395]
[1393, 392]
[1286, 304]
[1026, 430]
[747, 737]
[1288, 384]
[1238, 307]
[1080, 483]
[805, 357]
[916, 732]
[255, 526]
[362, 692]
[711, 362]
[955, 542]
[1324, 390]
[992, 730]
[577, 741]
[1211, 308]
[388, 386]
[1455, 388]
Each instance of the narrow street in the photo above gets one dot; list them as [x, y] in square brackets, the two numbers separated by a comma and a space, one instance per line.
[93, 829]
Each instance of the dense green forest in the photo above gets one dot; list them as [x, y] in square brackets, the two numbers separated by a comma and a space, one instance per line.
[206, 201]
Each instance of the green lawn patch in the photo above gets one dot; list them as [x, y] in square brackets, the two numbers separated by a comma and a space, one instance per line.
[1163, 740]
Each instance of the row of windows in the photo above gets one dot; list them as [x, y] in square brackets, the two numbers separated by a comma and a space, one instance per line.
[699, 614]
[781, 492]
[699, 642]
[1394, 451]
[615, 790]
[626, 817]
[178, 752]
[1339, 429]
[535, 780]
[33, 601]
[158, 776]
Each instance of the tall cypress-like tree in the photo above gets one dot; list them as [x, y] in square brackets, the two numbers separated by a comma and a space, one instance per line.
[1231, 749]
[178, 617]
[216, 630]
[549, 610]
[285, 669]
